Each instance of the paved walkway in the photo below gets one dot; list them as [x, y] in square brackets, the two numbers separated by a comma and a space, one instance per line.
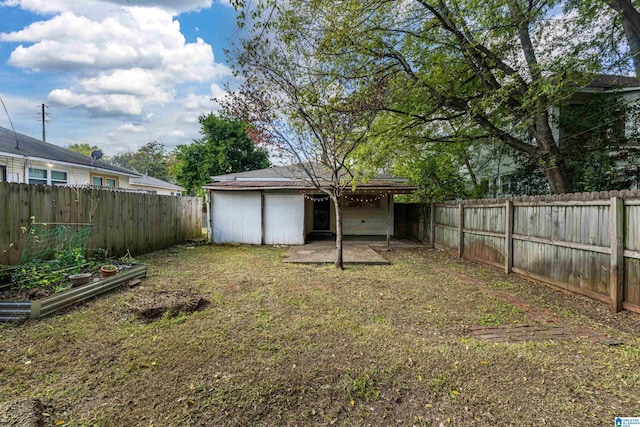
[354, 251]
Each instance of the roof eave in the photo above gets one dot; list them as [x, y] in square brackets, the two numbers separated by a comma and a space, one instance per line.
[60, 162]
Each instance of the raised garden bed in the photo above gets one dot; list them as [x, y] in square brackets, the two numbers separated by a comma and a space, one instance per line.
[37, 308]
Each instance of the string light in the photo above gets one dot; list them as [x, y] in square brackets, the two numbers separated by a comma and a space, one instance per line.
[351, 198]
[315, 198]
[365, 199]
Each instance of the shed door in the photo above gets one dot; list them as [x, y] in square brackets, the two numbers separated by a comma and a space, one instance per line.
[283, 219]
[236, 217]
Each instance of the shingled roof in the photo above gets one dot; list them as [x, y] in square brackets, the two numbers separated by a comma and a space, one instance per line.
[18, 144]
[293, 177]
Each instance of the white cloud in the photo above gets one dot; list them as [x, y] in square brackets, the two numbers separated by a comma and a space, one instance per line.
[110, 59]
[98, 7]
[107, 104]
[131, 128]
[135, 52]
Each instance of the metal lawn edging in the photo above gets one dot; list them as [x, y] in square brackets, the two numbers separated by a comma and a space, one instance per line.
[22, 310]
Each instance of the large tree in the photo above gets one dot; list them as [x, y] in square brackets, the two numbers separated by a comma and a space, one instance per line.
[226, 146]
[459, 69]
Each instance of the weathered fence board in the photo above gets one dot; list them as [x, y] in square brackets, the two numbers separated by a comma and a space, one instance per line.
[122, 221]
[586, 243]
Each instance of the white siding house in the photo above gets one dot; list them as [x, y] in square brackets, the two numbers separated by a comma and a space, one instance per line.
[27, 160]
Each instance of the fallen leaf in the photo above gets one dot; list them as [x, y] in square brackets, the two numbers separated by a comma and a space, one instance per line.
[455, 392]
[419, 377]
[484, 362]
[59, 422]
[428, 405]
[352, 403]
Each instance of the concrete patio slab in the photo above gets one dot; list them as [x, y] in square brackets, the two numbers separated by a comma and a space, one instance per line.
[323, 254]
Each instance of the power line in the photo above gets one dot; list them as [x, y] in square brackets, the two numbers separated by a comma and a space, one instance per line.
[10, 122]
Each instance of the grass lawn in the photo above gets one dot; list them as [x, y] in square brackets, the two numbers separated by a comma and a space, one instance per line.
[306, 345]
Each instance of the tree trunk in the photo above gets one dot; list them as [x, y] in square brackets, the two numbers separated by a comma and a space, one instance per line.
[550, 158]
[338, 208]
[631, 25]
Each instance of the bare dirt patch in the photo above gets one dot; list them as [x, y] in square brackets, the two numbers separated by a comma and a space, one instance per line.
[150, 306]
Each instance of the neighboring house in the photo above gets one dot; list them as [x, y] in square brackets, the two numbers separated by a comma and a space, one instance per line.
[28, 160]
[157, 185]
[498, 166]
[277, 206]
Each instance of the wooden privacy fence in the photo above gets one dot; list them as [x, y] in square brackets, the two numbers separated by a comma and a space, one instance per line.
[121, 221]
[587, 243]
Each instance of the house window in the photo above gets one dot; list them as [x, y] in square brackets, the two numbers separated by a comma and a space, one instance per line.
[3, 173]
[58, 178]
[38, 176]
[44, 177]
[104, 181]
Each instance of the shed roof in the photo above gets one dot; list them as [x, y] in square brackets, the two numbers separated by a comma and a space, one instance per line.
[295, 172]
[149, 181]
[378, 185]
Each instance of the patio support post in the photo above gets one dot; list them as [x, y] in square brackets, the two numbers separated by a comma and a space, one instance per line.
[389, 196]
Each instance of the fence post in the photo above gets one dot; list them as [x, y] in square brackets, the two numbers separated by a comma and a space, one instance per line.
[508, 238]
[432, 226]
[460, 230]
[616, 269]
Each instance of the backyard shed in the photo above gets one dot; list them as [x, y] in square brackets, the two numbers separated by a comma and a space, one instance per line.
[277, 206]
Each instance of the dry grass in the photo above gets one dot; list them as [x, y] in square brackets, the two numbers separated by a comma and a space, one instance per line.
[303, 345]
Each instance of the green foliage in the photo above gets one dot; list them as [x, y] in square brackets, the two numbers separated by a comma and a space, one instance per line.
[83, 148]
[437, 176]
[151, 159]
[48, 273]
[456, 71]
[224, 148]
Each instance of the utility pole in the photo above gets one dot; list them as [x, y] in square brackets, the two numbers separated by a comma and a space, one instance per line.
[44, 115]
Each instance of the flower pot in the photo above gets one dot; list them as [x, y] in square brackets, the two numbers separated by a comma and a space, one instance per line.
[108, 270]
[80, 279]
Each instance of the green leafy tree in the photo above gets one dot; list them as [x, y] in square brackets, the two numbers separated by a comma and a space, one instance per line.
[151, 159]
[457, 68]
[83, 148]
[225, 147]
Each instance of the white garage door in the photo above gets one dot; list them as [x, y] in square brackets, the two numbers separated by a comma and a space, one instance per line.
[283, 219]
[236, 217]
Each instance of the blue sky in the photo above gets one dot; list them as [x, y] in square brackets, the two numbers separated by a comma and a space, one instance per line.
[114, 73]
